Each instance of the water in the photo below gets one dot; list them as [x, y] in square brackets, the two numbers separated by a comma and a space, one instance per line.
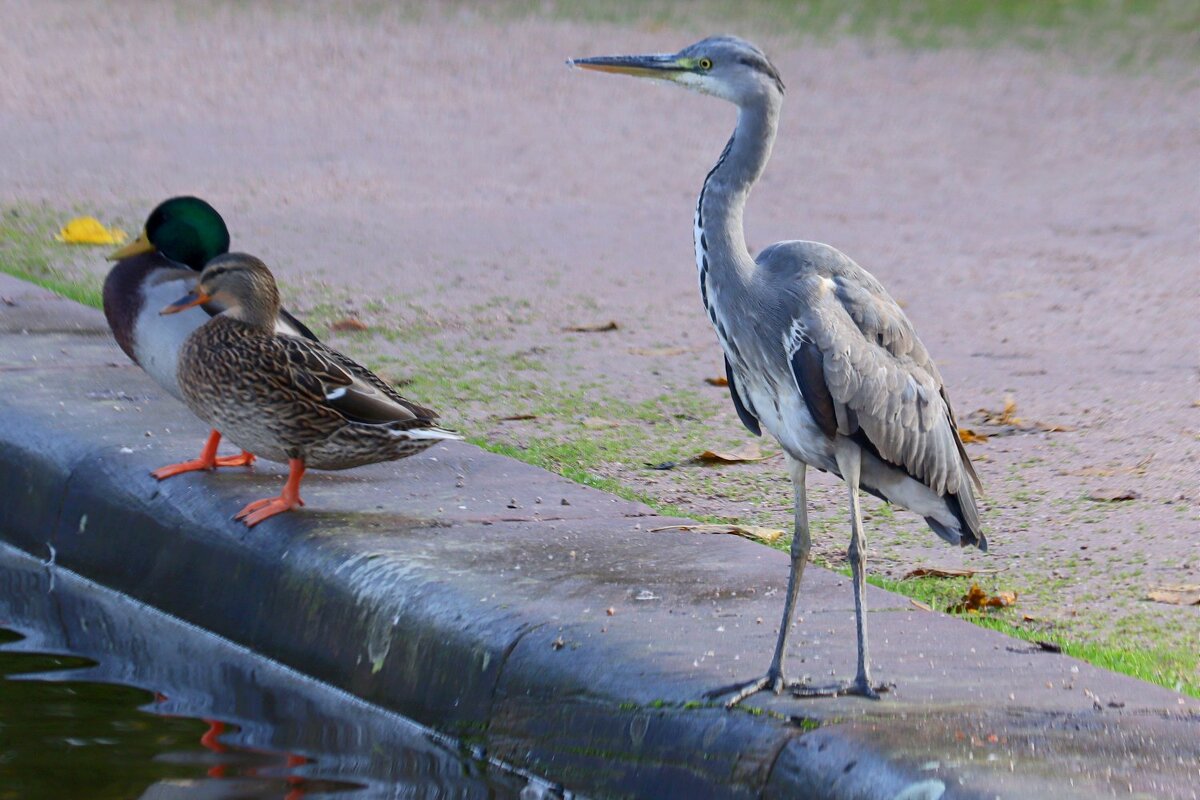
[104, 698]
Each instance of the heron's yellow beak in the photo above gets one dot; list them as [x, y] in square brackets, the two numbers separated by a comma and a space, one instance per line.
[653, 66]
[135, 248]
[195, 297]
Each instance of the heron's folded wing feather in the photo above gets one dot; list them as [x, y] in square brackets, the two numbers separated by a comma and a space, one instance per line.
[878, 379]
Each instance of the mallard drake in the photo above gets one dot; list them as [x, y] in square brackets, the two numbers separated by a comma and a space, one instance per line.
[286, 398]
[181, 235]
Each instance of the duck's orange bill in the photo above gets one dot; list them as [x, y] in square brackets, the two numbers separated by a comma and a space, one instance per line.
[193, 298]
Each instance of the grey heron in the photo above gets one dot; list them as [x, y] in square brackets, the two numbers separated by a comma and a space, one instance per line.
[816, 351]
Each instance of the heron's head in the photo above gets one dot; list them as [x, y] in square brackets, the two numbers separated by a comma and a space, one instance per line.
[238, 283]
[725, 66]
[186, 230]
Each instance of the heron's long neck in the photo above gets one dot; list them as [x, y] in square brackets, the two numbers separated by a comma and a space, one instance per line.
[721, 253]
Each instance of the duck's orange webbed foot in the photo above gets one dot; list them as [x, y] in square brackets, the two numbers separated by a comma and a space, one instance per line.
[208, 460]
[288, 499]
[246, 459]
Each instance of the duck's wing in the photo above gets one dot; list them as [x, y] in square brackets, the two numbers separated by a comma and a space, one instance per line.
[346, 386]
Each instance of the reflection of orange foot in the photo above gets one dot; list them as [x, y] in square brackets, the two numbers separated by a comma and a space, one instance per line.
[207, 460]
[211, 738]
[211, 741]
[295, 782]
[288, 499]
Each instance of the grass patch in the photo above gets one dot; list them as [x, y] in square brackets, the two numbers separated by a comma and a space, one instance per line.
[28, 251]
[1174, 668]
[1123, 32]
[472, 384]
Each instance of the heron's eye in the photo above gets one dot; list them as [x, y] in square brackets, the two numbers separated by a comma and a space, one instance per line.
[705, 63]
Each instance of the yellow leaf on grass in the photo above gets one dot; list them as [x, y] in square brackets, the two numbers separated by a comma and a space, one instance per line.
[767, 535]
[969, 436]
[720, 380]
[976, 599]
[1179, 595]
[747, 452]
[89, 230]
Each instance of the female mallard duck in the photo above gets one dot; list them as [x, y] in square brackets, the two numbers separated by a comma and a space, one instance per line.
[286, 398]
[181, 236]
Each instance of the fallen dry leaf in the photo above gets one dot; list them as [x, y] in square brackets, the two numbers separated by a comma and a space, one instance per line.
[919, 604]
[969, 436]
[720, 380]
[1180, 595]
[767, 535]
[89, 230]
[747, 452]
[939, 572]
[977, 599]
[598, 423]
[1112, 495]
[348, 324]
[598, 327]
[1006, 416]
[658, 351]
[516, 417]
[1006, 422]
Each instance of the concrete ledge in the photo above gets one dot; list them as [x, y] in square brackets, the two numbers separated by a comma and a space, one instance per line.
[417, 587]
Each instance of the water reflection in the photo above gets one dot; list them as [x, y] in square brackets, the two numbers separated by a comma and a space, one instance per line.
[102, 697]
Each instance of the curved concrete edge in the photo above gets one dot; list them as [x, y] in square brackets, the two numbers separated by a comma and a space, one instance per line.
[458, 589]
[387, 630]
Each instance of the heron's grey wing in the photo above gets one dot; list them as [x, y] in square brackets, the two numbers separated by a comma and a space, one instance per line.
[743, 406]
[858, 363]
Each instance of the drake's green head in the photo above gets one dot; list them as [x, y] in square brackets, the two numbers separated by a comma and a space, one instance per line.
[186, 230]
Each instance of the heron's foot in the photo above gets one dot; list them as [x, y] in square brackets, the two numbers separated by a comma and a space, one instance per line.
[773, 681]
[860, 686]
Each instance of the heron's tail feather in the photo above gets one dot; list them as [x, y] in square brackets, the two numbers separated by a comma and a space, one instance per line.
[969, 531]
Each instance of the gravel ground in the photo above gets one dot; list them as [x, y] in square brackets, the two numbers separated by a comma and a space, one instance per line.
[447, 180]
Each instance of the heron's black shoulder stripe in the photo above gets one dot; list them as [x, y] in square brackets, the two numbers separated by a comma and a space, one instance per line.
[808, 369]
[745, 414]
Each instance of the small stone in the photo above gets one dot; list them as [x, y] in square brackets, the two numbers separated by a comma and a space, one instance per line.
[537, 501]
[610, 611]
[513, 503]
[564, 502]
[558, 643]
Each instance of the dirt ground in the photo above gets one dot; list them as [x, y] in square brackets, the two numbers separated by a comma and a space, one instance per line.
[449, 181]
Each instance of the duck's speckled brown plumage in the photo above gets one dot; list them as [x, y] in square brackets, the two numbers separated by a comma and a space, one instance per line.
[285, 398]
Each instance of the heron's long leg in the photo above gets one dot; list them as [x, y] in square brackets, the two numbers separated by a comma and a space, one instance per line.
[801, 545]
[849, 459]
